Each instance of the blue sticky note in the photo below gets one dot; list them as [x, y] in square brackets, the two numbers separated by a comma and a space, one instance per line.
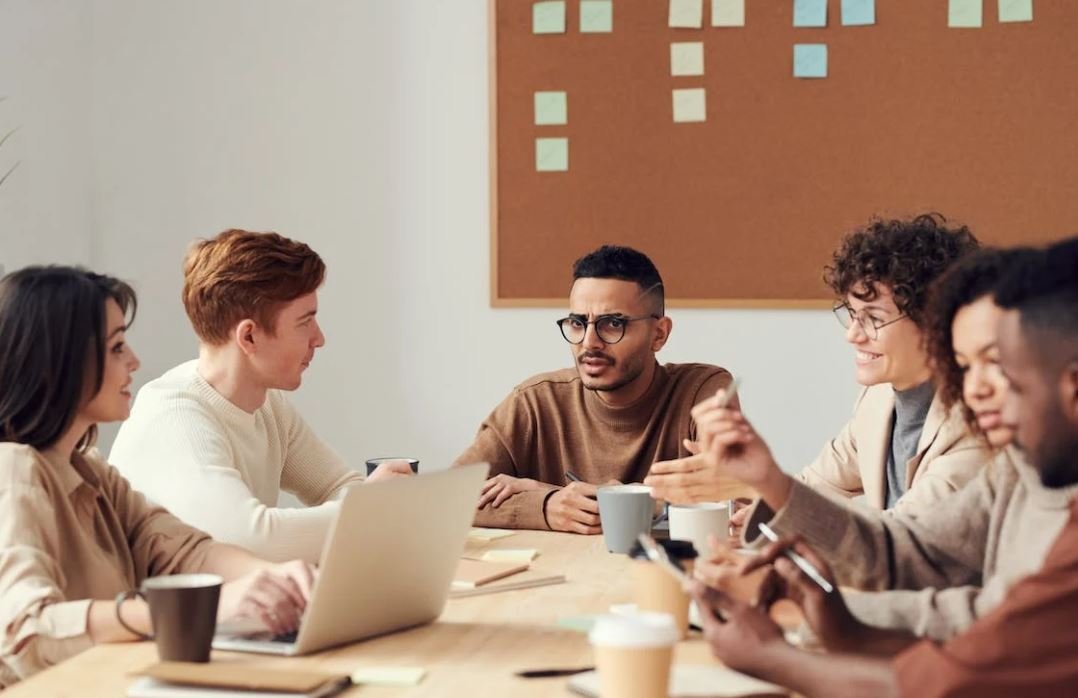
[810, 60]
[548, 17]
[810, 13]
[858, 13]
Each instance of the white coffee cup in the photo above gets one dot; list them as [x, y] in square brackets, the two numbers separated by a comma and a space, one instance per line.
[695, 522]
[633, 653]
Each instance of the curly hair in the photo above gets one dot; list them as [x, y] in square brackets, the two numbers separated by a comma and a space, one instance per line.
[903, 255]
[969, 279]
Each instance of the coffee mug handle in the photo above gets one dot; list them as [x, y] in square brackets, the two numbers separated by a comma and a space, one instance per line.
[125, 596]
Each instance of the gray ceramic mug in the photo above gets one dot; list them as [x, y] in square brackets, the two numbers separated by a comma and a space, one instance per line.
[625, 511]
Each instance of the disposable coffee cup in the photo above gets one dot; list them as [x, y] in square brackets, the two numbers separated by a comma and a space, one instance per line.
[655, 589]
[183, 612]
[695, 522]
[625, 511]
[633, 654]
[375, 462]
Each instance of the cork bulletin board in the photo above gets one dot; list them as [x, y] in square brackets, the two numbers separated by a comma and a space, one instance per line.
[745, 207]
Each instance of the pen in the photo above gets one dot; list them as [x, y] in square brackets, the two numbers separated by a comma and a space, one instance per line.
[572, 477]
[729, 392]
[803, 564]
[551, 673]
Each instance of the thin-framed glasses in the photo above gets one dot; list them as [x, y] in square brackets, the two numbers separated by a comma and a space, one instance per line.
[610, 328]
[846, 317]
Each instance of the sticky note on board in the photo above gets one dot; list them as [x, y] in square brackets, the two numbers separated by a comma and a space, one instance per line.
[965, 13]
[596, 16]
[507, 555]
[551, 109]
[1015, 10]
[690, 105]
[810, 13]
[687, 58]
[687, 14]
[489, 533]
[389, 676]
[858, 13]
[810, 60]
[548, 17]
[727, 13]
[552, 154]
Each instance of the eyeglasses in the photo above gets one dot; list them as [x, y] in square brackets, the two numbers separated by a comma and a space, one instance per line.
[610, 328]
[846, 317]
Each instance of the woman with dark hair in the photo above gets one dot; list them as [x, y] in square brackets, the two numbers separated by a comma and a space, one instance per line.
[73, 534]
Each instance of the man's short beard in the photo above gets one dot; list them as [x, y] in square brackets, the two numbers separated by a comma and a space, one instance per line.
[1057, 460]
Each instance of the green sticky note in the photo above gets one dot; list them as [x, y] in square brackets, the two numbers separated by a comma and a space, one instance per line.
[1015, 10]
[727, 13]
[687, 14]
[810, 13]
[810, 60]
[578, 624]
[965, 13]
[690, 105]
[687, 58]
[596, 16]
[858, 13]
[551, 154]
[548, 17]
[551, 109]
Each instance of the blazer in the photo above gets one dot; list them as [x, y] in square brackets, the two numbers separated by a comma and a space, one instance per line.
[948, 454]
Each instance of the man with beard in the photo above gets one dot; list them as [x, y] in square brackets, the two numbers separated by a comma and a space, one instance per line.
[560, 434]
[1026, 646]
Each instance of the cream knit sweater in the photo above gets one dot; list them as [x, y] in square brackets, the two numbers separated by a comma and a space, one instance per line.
[221, 469]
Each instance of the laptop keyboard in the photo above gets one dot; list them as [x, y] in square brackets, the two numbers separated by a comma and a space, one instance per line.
[287, 638]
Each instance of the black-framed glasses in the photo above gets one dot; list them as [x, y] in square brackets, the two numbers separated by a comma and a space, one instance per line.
[846, 317]
[610, 328]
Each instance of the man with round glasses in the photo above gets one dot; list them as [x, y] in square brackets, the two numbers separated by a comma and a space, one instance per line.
[903, 449]
[560, 434]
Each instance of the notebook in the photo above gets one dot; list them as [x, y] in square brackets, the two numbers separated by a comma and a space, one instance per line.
[226, 680]
[521, 580]
[473, 573]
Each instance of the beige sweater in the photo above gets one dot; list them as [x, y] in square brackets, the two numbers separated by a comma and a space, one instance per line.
[551, 423]
[951, 564]
[222, 469]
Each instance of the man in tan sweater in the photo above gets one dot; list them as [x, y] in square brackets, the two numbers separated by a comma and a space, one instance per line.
[609, 418]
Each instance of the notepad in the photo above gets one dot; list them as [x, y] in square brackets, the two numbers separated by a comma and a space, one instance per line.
[489, 533]
[475, 573]
[388, 675]
[225, 680]
[522, 580]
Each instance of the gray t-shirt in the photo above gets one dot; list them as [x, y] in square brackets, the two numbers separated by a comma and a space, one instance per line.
[911, 409]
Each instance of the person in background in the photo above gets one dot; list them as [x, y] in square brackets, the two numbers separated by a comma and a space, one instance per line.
[215, 440]
[73, 532]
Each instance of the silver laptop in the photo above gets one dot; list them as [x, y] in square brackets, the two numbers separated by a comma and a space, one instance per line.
[388, 563]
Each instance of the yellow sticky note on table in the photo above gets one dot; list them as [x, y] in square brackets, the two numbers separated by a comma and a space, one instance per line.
[552, 154]
[1015, 10]
[548, 17]
[687, 14]
[489, 533]
[690, 105]
[687, 58]
[596, 16]
[551, 109]
[727, 13]
[388, 675]
[965, 13]
[510, 555]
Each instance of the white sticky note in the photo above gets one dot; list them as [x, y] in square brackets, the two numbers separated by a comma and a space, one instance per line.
[690, 105]
[596, 16]
[1015, 10]
[388, 675]
[688, 14]
[551, 109]
[510, 555]
[552, 154]
[548, 17]
[965, 13]
[727, 13]
[687, 58]
[489, 533]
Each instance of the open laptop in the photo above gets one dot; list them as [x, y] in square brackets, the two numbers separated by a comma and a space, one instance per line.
[388, 563]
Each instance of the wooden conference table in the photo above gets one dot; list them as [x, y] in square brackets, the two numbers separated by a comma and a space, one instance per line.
[472, 650]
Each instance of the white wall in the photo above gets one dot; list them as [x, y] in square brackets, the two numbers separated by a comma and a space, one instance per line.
[45, 207]
[361, 128]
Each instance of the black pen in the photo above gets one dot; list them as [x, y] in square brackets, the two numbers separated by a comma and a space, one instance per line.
[552, 673]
